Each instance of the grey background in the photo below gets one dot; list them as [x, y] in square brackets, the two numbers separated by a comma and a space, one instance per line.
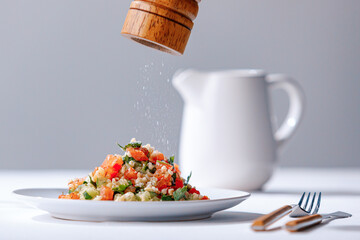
[71, 86]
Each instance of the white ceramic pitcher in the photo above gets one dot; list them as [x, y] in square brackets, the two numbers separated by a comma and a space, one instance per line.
[227, 137]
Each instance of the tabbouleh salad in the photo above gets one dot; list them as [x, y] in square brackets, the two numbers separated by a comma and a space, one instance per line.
[141, 174]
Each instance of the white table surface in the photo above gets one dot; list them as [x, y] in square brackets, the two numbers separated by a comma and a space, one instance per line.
[340, 188]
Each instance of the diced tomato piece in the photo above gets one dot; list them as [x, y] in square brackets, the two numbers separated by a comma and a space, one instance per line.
[113, 162]
[163, 183]
[74, 196]
[111, 173]
[112, 165]
[70, 196]
[156, 156]
[106, 193]
[178, 182]
[145, 151]
[177, 168]
[63, 196]
[205, 198]
[193, 190]
[162, 186]
[137, 154]
[130, 174]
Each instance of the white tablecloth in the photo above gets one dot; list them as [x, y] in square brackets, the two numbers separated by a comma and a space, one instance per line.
[340, 188]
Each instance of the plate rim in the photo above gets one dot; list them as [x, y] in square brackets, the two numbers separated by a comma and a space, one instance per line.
[245, 196]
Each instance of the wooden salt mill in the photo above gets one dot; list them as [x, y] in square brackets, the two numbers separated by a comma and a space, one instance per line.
[161, 24]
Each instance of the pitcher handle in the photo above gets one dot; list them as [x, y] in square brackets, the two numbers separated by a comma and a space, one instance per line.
[296, 105]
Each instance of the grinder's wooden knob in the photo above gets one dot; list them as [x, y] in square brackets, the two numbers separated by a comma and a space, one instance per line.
[161, 24]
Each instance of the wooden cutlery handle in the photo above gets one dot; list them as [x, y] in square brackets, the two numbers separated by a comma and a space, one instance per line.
[304, 222]
[262, 222]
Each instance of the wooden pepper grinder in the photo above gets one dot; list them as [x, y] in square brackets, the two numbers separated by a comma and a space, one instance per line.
[161, 24]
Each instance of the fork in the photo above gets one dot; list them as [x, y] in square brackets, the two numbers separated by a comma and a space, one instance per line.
[296, 210]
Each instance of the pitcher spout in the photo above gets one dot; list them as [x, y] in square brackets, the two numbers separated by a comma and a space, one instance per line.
[190, 84]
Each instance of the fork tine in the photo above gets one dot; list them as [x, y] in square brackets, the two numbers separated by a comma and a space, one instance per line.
[312, 203]
[317, 204]
[307, 201]
[301, 199]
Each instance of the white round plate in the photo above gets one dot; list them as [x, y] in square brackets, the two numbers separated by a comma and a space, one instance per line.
[47, 199]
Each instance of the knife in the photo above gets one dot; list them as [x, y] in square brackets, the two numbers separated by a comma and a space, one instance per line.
[308, 221]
